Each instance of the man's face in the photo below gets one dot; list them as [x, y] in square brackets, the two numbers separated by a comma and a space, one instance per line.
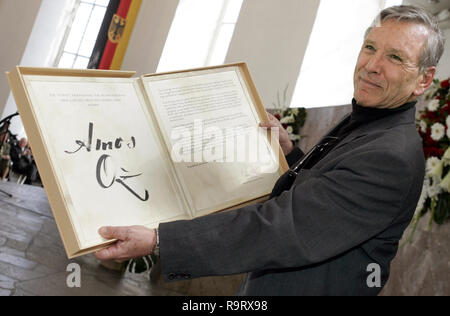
[23, 142]
[387, 71]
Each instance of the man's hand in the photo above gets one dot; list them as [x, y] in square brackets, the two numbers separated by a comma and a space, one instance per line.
[284, 139]
[132, 242]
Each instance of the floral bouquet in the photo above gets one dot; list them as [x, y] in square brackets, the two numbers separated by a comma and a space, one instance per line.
[434, 128]
[292, 119]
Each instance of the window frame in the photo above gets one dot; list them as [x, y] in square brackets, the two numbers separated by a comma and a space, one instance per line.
[67, 32]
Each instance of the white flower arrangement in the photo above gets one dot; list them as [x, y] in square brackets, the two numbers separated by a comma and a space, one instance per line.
[423, 126]
[433, 105]
[437, 131]
[447, 122]
[431, 163]
[433, 125]
[292, 119]
[288, 120]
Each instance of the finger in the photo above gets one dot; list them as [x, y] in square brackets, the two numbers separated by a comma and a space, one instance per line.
[109, 253]
[273, 119]
[271, 125]
[119, 233]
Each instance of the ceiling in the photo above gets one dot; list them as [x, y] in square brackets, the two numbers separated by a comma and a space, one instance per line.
[430, 5]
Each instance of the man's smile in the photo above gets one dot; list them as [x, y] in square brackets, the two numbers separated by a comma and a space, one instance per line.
[370, 83]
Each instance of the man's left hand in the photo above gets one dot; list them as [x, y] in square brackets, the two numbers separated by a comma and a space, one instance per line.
[132, 242]
[285, 141]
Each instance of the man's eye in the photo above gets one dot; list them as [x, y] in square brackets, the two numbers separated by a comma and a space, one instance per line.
[370, 47]
[397, 58]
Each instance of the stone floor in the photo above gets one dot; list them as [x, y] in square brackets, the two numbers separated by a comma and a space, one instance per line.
[33, 260]
[422, 266]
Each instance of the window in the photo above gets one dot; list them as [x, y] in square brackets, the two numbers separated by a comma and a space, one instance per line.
[200, 34]
[82, 34]
[326, 75]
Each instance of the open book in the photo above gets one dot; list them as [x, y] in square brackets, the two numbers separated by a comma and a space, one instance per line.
[113, 150]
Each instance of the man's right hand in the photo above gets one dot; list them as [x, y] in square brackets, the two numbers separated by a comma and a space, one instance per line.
[284, 139]
[132, 242]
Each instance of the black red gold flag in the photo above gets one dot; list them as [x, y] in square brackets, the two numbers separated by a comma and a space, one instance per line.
[115, 34]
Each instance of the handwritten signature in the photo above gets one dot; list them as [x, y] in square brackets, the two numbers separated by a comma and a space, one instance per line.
[101, 165]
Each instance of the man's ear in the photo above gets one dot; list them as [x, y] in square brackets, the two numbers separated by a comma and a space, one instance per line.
[424, 81]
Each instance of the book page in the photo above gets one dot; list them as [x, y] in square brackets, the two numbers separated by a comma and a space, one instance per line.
[210, 123]
[105, 153]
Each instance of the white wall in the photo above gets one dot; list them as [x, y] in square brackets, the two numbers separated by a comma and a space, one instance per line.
[443, 70]
[49, 20]
[272, 36]
[149, 36]
[16, 22]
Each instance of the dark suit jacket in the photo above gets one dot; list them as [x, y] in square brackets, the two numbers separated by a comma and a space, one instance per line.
[318, 238]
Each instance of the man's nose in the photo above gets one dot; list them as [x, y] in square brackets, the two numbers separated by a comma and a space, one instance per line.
[374, 63]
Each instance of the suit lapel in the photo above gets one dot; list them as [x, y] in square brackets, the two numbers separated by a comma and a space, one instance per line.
[333, 130]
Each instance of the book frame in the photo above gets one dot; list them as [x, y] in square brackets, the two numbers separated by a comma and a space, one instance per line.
[46, 170]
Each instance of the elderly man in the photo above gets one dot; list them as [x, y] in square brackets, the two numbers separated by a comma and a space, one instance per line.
[23, 162]
[333, 223]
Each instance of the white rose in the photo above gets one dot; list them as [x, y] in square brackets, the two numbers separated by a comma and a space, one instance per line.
[431, 163]
[436, 172]
[435, 189]
[437, 131]
[289, 129]
[423, 126]
[287, 120]
[433, 105]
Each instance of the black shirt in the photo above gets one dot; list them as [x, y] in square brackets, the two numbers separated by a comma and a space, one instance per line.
[360, 115]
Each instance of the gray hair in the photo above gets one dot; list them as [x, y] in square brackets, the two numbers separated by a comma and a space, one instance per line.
[434, 47]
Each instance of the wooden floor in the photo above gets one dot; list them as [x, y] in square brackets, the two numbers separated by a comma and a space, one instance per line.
[33, 260]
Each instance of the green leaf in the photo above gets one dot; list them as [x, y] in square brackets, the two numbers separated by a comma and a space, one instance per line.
[441, 211]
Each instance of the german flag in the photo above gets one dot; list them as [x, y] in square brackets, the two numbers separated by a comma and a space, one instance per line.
[114, 35]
